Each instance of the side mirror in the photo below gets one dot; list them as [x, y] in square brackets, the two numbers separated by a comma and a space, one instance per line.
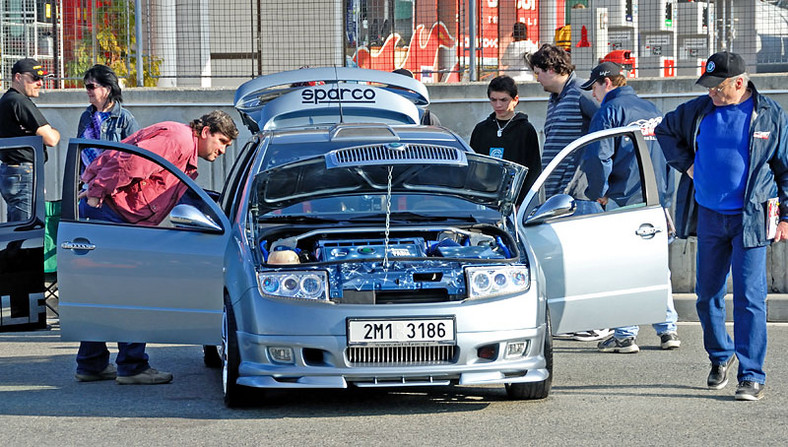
[187, 216]
[556, 206]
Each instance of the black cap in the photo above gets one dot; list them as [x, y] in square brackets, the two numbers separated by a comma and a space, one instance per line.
[31, 66]
[603, 70]
[721, 66]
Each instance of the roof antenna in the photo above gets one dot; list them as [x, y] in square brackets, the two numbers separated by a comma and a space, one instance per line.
[339, 96]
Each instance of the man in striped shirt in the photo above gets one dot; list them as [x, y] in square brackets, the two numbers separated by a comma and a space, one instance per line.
[569, 110]
[569, 113]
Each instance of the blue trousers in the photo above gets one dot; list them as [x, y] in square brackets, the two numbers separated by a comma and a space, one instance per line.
[103, 212]
[93, 357]
[16, 187]
[720, 249]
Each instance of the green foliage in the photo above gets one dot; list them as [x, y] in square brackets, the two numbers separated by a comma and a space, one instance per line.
[112, 37]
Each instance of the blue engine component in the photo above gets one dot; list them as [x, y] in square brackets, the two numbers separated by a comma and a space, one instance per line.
[374, 249]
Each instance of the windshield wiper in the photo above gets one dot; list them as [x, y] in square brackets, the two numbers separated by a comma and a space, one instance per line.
[297, 219]
[409, 216]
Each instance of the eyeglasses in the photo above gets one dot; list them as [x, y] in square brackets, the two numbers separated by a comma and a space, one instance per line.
[33, 78]
[91, 86]
[718, 89]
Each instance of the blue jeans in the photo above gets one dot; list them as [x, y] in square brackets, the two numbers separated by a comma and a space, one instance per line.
[16, 187]
[103, 212]
[720, 249]
[93, 357]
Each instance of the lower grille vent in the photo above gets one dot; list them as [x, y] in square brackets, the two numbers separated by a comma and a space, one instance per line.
[401, 355]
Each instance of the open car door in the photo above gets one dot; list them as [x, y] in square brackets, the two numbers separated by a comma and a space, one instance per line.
[21, 236]
[132, 282]
[603, 268]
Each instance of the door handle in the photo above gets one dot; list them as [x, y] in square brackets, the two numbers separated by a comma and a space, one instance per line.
[68, 245]
[647, 231]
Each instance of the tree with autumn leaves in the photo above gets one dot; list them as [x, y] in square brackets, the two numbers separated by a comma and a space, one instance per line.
[115, 45]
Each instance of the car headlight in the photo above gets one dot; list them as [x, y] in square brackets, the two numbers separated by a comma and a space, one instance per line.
[310, 285]
[490, 281]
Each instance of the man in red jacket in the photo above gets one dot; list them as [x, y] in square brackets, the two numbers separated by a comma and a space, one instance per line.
[125, 188]
[122, 187]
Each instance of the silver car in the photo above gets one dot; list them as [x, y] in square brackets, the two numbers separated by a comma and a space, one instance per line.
[352, 247]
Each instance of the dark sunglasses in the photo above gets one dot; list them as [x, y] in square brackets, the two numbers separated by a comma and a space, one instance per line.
[91, 86]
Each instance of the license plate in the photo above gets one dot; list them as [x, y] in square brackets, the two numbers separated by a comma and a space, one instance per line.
[399, 332]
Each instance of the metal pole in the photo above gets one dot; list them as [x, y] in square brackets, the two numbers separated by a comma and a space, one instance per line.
[472, 34]
[138, 33]
[93, 30]
[56, 45]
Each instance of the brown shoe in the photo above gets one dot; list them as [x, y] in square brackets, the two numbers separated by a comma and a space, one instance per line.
[148, 377]
[107, 373]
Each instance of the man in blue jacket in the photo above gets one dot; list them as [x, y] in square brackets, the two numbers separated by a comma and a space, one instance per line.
[731, 148]
[613, 175]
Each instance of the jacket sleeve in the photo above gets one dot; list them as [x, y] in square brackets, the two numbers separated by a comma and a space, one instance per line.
[84, 119]
[474, 143]
[675, 134]
[130, 125]
[116, 169]
[533, 157]
[588, 108]
[597, 159]
[779, 165]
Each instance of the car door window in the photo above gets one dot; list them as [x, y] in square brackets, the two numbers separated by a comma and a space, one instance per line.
[144, 192]
[597, 182]
[17, 185]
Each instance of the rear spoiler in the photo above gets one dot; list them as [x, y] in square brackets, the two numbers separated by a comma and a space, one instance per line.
[326, 92]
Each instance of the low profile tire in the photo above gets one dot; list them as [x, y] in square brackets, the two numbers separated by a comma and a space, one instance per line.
[536, 390]
[211, 357]
[234, 394]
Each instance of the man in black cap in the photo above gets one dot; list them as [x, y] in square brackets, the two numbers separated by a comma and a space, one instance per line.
[613, 175]
[732, 151]
[19, 117]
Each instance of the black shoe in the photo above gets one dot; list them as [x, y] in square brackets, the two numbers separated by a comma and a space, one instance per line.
[718, 376]
[748, 390]
[669, 340]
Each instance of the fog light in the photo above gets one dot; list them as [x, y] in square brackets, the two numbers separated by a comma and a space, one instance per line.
[488, 352]
[515, 349]
[281, 354]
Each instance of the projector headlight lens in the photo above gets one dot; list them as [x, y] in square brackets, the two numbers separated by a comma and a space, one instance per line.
[294, 284]
[493, 281]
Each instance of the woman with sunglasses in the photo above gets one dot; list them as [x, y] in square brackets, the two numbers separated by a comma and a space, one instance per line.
[105, 118]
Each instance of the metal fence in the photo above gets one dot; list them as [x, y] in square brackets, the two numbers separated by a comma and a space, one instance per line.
[223, 43]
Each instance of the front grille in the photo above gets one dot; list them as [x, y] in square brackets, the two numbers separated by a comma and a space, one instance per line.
[401, 355]
[406, 153]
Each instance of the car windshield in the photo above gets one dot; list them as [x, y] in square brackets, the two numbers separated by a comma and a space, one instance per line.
[373, 207]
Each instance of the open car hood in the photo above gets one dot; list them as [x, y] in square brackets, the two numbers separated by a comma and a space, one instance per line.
[415, 169]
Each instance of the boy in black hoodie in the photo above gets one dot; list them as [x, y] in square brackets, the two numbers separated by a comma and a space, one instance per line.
[508, 134]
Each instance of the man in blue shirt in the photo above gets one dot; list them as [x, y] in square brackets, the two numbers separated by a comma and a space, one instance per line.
[732, 151]
[613, 174]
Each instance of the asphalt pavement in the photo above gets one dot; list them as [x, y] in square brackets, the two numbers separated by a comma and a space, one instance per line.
[654, 397]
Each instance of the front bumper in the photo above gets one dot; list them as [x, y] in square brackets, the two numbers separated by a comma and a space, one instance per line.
[320, 362]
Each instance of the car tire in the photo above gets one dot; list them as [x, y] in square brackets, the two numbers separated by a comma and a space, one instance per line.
[234, 394]
[536, 390]
[211, 357]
